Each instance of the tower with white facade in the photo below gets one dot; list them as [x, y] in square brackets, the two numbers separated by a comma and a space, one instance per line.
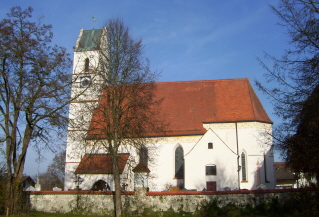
[84, 94]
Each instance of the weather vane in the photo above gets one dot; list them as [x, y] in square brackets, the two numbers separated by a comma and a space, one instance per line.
[94, 19]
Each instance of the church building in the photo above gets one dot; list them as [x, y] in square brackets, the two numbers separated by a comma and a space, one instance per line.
[218, 136]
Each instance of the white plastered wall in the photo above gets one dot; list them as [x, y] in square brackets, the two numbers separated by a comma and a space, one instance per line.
[84, 100]
[221, 155]
[251, 139]
[255, 139]
[162, 165]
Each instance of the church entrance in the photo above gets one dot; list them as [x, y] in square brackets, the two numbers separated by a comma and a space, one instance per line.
[100, 186]
[211, 186]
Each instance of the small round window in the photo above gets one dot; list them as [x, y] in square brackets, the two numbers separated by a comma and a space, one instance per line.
[85, 81]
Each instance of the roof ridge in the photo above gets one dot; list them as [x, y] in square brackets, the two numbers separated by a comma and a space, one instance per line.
[199, 81]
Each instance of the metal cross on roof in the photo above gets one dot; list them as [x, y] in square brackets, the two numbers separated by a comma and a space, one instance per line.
[94, 19]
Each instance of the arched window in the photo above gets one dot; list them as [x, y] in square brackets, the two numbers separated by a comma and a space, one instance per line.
[265, 168]
[86, 64]
[144, 155]
[179, 162]
[243, 167]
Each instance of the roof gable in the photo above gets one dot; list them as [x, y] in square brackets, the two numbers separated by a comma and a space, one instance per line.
[29, 180]
[189, 104]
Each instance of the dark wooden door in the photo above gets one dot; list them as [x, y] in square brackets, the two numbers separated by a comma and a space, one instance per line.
[211, 186]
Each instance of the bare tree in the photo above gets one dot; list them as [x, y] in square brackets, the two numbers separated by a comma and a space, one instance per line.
[34, 92]
[126, 111]
[295, 75]
[54, 175]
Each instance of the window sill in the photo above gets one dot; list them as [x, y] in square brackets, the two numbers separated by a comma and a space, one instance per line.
[244, 181]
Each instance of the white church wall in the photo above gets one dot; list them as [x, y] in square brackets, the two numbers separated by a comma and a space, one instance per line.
[162, 165]
[197, 156]
[254, 138]
[200, 156]
[162, 168]
[70, 167]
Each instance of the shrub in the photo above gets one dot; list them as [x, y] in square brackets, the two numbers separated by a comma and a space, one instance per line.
[230, 210]
[247, 210]
[210, 209]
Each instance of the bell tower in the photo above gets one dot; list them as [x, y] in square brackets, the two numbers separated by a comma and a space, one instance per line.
[85, 94]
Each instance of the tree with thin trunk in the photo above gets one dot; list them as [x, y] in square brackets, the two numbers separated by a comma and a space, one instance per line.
[294, 77]
[54, 174]
[34, 91]
[127, 107]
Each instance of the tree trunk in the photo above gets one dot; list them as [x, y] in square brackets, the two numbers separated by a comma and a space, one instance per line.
[14, 203]
[14, 195]
[117, 184]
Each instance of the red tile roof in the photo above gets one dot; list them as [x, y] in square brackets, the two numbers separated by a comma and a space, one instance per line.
[189, 104]
[100, 164]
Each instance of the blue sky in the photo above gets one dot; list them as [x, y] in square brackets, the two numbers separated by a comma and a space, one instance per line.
[184, 39]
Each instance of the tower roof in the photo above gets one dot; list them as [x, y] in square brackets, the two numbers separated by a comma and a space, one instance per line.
[89, 40]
